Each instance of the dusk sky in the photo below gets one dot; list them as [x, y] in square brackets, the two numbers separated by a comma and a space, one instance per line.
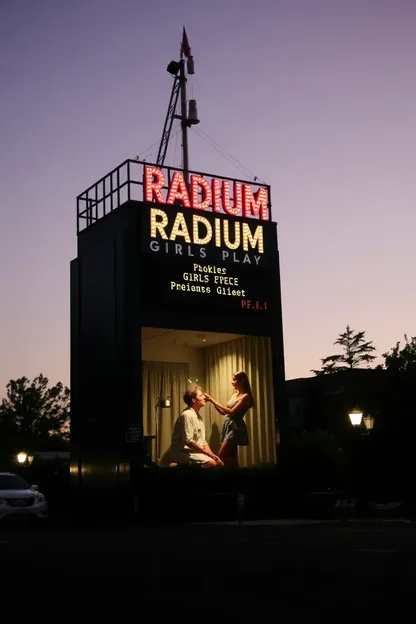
[315, 97]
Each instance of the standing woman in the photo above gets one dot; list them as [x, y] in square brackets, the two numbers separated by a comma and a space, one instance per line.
[234, 431]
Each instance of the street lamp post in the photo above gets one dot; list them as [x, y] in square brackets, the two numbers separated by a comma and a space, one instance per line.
[361, 453]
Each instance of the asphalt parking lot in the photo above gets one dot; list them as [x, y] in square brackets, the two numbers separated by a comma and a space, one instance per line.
[218, 571]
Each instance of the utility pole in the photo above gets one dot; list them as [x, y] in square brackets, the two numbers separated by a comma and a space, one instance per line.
[184, 121]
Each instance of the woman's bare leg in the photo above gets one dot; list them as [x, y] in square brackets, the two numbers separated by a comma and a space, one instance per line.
[228, 454]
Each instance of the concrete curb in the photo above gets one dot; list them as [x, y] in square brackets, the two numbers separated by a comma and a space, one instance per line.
[295, 522]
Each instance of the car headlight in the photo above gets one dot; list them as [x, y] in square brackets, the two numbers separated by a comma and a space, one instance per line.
[39, 498]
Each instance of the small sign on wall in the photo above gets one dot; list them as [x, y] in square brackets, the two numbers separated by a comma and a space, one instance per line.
[133, 433]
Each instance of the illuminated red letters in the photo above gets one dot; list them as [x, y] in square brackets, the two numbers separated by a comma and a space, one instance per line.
[178, 190]
[152, 186]
[202, 194]
[198, 182]
[255, 203]
[238, 198]
[216, 195]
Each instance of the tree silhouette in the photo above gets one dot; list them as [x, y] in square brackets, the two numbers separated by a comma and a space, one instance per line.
[401, 360]
[33, 414]
[399, 401]
[356, 351]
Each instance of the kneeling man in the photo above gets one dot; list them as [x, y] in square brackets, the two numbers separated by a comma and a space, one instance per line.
[188, 438]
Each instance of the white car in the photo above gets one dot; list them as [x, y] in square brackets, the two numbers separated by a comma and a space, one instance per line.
[18, 499]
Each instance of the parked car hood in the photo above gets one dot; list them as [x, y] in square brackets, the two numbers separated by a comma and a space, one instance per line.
[17, 493]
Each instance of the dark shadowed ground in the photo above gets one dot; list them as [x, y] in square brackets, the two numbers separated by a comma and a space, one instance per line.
[253, 573]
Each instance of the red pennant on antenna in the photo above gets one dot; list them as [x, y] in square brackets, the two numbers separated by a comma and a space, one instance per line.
[186, 49]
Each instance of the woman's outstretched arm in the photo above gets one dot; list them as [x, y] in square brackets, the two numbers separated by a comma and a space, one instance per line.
[230, 411]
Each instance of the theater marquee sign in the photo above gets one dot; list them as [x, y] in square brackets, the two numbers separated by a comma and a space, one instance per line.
[202, 248]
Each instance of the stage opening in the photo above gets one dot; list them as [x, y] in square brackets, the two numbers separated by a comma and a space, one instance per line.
[173, 359]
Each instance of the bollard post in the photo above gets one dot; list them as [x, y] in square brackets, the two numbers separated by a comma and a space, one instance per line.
[240, 507]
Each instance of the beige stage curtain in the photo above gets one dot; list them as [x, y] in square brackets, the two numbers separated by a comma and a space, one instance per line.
[251, 354]
[162, 379]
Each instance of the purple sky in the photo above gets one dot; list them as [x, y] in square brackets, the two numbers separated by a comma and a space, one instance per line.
[316, 97]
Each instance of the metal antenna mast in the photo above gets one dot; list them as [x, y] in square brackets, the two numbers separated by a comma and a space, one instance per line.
[188, 115]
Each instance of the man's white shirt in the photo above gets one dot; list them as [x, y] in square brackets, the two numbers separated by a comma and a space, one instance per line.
[189, 427]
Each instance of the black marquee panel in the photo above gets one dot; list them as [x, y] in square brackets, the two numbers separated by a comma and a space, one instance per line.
[179, 272]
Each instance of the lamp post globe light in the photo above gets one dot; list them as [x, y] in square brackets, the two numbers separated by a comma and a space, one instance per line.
[368, 422]
[24, 459]
[355, 417]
